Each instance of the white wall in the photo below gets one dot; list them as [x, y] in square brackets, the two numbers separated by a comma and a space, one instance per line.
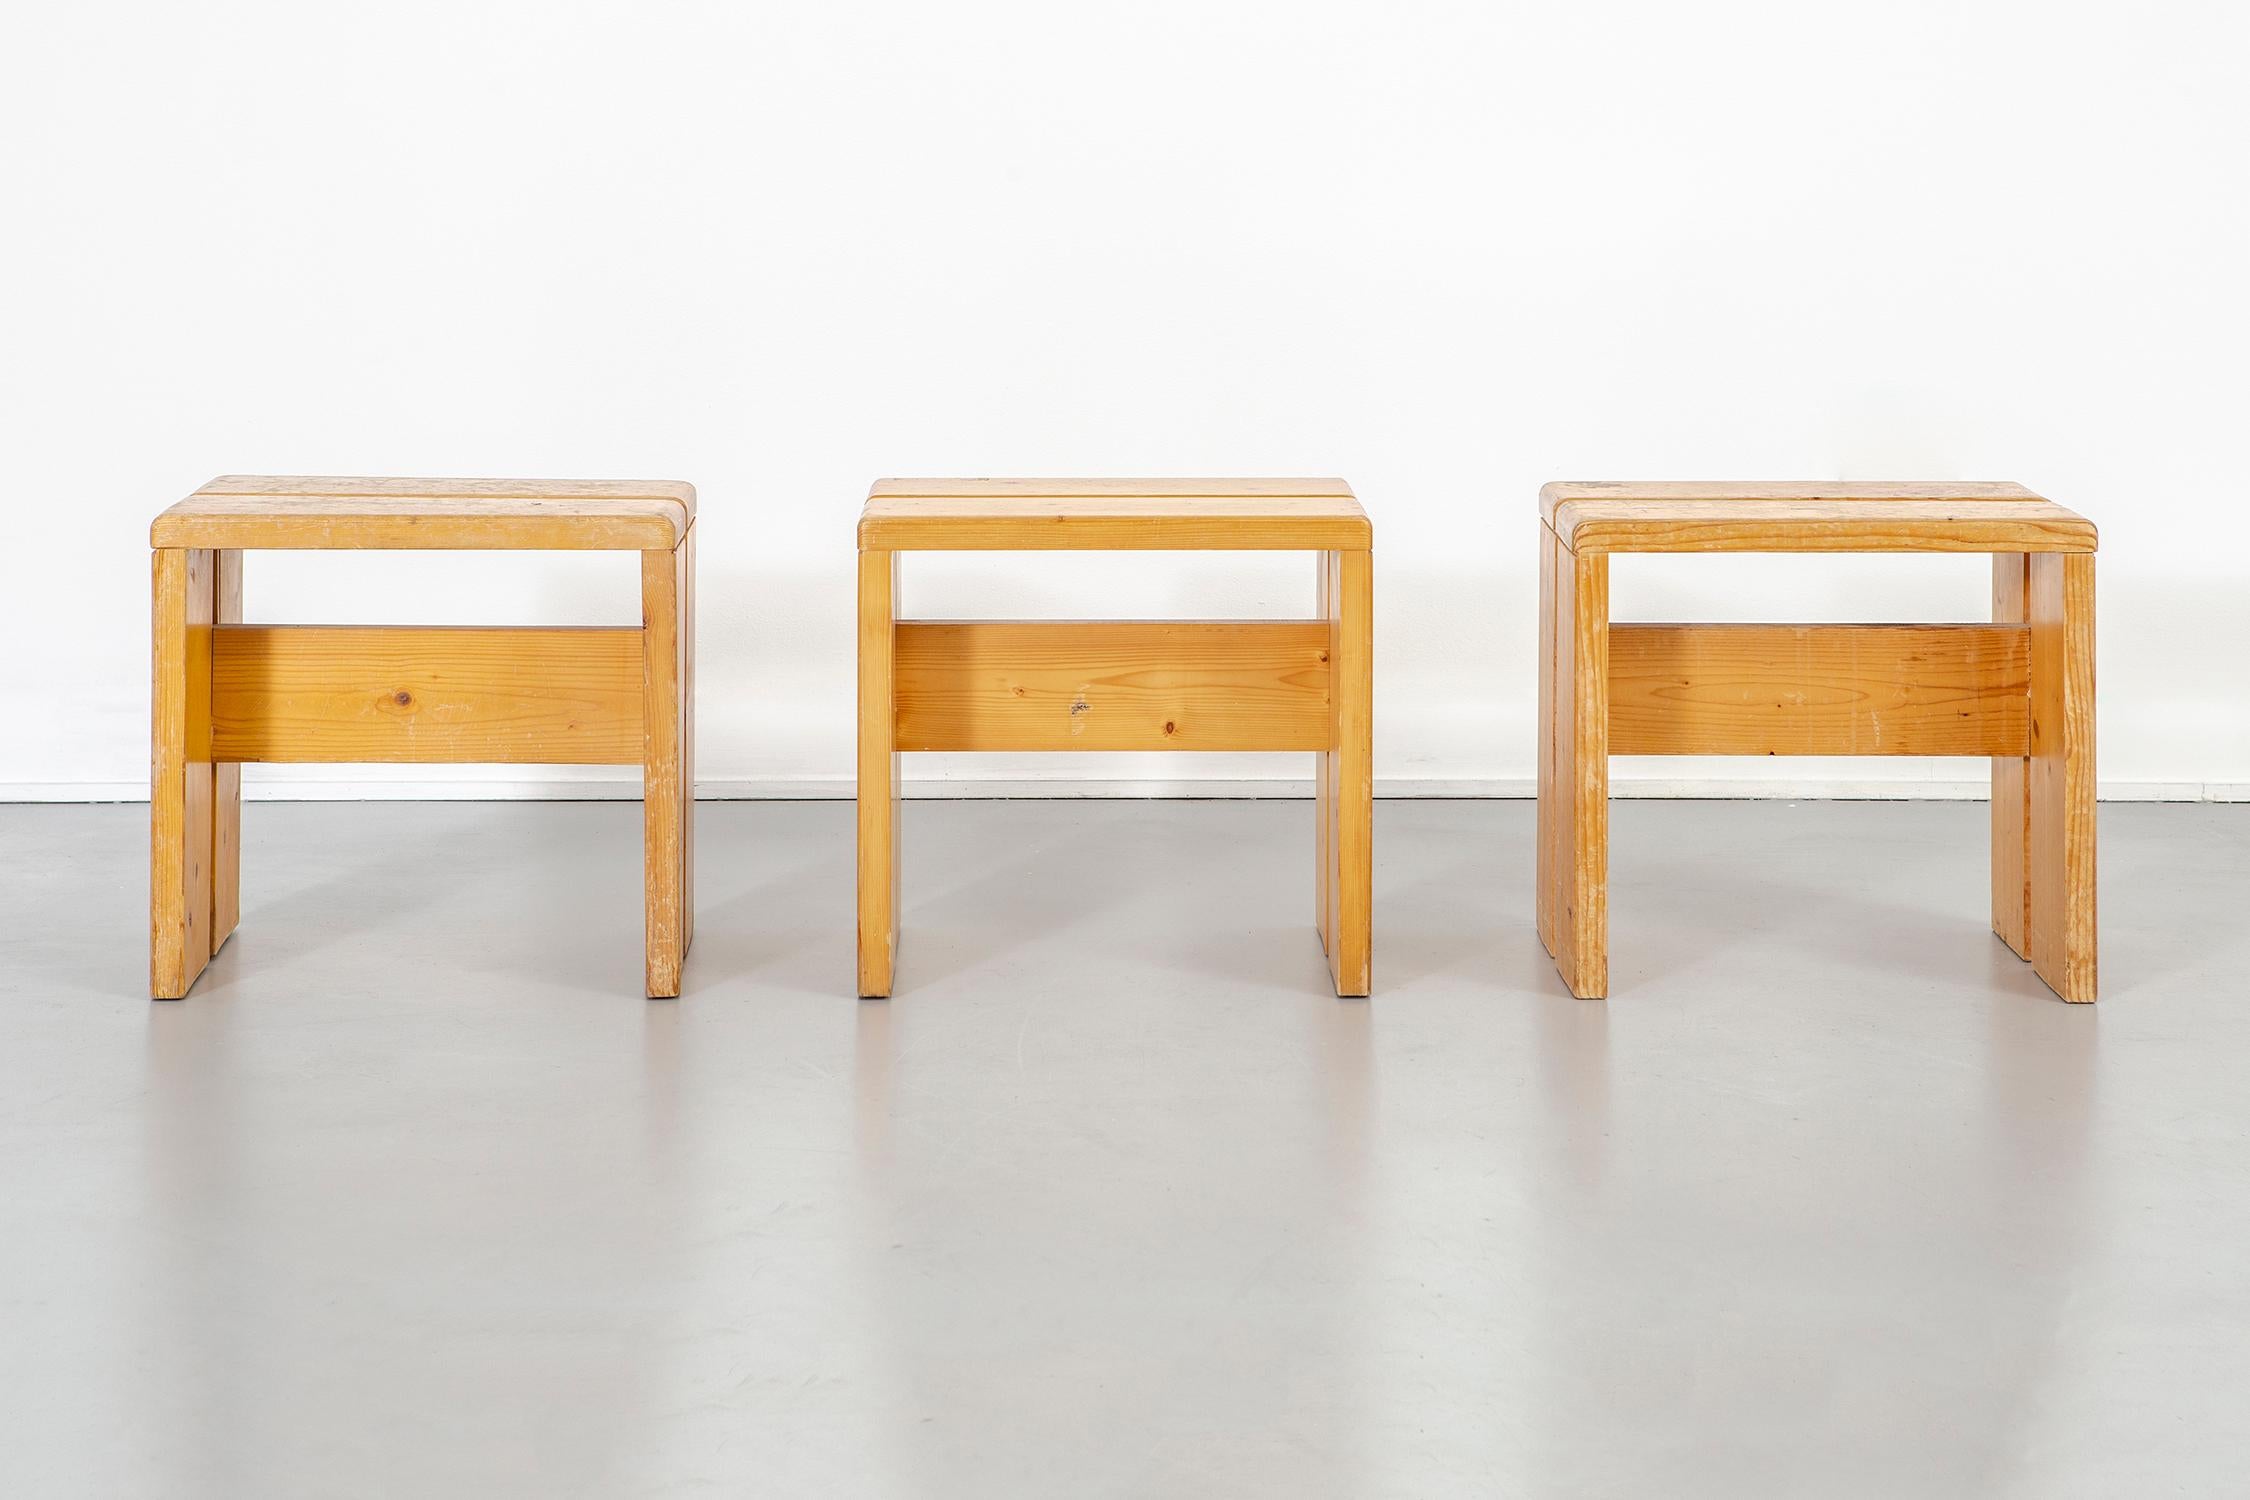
[1445, 250]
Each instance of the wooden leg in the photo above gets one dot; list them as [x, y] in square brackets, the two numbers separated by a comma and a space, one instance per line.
[663, 771]
[2061, 803]
[687, 741]
[1348, 810]
[1581, 816]
[1544, 896]
[181, 786]
[878, 773]
[1324, 781]
[2011, 782]
[226, 777]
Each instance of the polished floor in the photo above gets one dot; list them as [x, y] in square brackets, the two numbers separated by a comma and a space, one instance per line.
[416, 1196]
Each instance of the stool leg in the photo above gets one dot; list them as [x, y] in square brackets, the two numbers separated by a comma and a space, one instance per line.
[664, 790]
[226, 777]
[2062, 815]
[878, 773]
[687, 741]
[1346, 809]
[180, 784]
[2011, 781]
[1324, 778]
[1580, 819]
[1544, 897]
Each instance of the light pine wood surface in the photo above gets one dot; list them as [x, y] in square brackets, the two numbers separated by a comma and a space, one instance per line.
[1582, 693]
[878, 772]
[667, 792]
[1572, 899]
[1113, 515]
[2019, 691]
[226, 775]
[1112, 489]
[181, 787]
[1820, 526]
[1552, 791]
[225, 693]
[1809, 516]
[1761, 491]
[564, 695]
[1347, 774]
[2011, 775]
[320, 512]
[1123, 684]
[2062, 809]
[687, 739]
[1324, 772]
[1112, 685]
[338, 486]
[1818, 689]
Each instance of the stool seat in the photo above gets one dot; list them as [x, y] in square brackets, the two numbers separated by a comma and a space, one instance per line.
[1832, 516]
[310, 512]
[1154, 515]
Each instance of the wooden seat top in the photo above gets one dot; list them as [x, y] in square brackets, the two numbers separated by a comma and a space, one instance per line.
[308, 512]
[1815, 516]
[1159, 515]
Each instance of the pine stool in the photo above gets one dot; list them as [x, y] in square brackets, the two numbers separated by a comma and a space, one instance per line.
[226, 692]
[2020, 690]
[1121, 684]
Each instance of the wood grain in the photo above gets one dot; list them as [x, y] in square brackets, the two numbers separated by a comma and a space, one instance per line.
[878, 773]
[1122, 685]
[1119, 515]
[1554, 729]
[1818, 689]
[2019, 691]
[1063, 489]
[1350, 771]
[320, 512]
[346, 486]
[665, 793]
[1549, 790]
[1754, 491]
[1324, 775]
[687, 740]
[2062, 809]
[226, 777]
[180, 793]
[1112, 685]
[2011, 782]
[1579, 719]
[232, 693]
[1586, 526]
[373, 693]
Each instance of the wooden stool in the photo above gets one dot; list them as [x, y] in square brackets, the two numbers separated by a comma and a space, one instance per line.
[227, 692]
[2020, 690]
[1121, 685]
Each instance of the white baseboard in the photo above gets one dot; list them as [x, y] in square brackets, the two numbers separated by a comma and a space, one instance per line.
[589, 788]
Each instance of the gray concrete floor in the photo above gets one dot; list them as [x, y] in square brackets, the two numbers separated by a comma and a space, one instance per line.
[417, 1196]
